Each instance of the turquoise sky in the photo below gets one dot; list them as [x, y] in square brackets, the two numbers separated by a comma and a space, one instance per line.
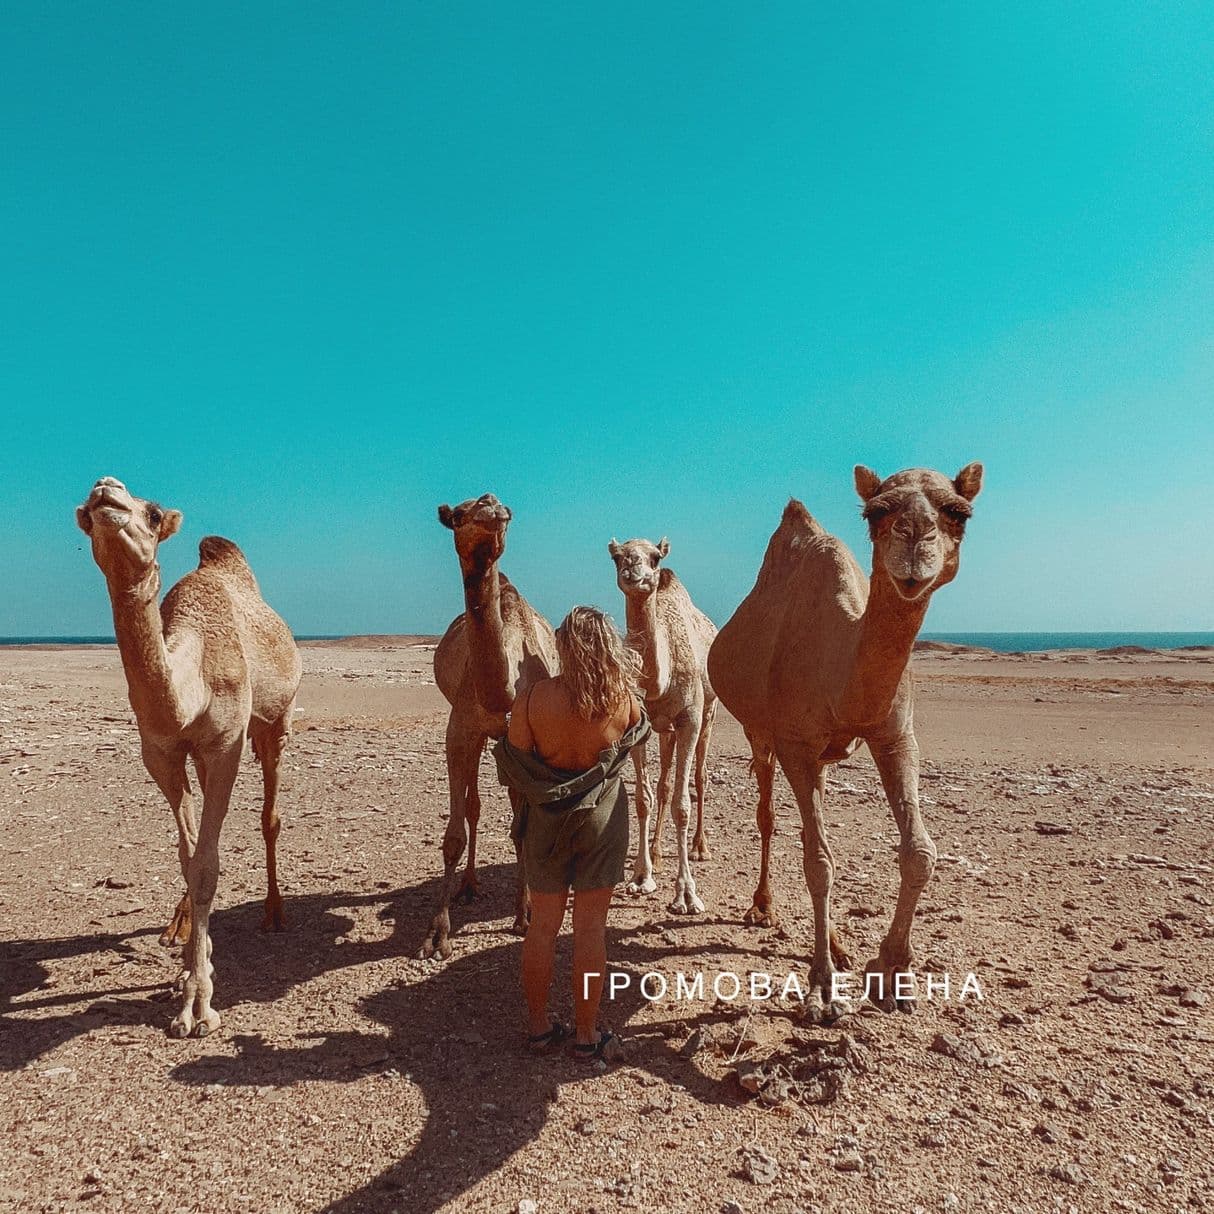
[639, 270]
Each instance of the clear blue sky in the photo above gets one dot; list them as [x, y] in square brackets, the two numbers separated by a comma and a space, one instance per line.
[640, 270]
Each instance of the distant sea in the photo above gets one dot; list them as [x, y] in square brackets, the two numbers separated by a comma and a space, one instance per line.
[1001, 642]
[110, 640]
[1034, 642]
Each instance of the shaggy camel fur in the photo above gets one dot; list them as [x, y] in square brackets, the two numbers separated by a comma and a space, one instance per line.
[672, 636]
[498, 647]
[815, 661]
[209, 666]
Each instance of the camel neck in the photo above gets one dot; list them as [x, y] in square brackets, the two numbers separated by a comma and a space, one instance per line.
[139, 631]
[641, 616]
[486, 641]
[887, 637]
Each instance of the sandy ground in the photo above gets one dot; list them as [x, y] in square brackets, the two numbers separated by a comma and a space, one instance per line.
[1071, 799]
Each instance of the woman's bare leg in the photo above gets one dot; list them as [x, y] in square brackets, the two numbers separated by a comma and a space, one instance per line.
[589, 960]
[539, 949]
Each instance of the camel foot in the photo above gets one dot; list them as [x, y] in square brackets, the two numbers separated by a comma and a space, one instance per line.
[820, 1009]
[435, 946]
[469, 889]
[761, 915]
[686, 901]
[699, 849]
[178, 930]
[642, 885]
[884, 994]
[274, 920]
[839, 955]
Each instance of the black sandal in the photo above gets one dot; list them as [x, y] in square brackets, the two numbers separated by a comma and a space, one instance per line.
[541, 1043]
[606, 1049]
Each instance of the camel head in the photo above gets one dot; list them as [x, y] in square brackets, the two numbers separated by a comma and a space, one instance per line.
[126, 530]
[636, 565]
[917, 520]
[480, 529]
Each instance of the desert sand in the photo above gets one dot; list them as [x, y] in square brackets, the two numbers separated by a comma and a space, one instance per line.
[1071, 797]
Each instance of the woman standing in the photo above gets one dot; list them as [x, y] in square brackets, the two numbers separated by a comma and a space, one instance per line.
[567, 743]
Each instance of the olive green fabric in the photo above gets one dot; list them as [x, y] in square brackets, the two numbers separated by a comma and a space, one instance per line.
[572, 827]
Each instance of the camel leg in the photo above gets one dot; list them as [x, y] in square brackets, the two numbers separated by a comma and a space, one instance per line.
[666, 747]
[699, 845]
[522, 895]
[808, 780]
[762, 912]
[463, 755]
[168, 769]
[469, 887]
[642, 874]
[897, 761]
[687, 730]
[268, 745]
[197, 1017]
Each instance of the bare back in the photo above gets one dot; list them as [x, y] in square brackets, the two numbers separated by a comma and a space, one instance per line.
[544, 722]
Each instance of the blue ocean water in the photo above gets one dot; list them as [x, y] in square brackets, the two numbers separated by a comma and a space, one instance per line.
[1002, 642]
[1026, 642]
[110, 640]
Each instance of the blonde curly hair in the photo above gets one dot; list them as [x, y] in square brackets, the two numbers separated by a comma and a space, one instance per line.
[597, 669]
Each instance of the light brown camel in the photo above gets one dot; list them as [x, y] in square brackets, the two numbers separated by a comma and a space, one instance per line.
[498, 647]
[672, 636]
[205, 669]
[815, 661]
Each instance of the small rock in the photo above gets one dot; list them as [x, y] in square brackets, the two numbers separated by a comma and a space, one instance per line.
[1045, 1132]
[528, 1205]
[971, 1050]
[1068, 1173]
[1189, 997]
[757, 1165]
[849, 1162]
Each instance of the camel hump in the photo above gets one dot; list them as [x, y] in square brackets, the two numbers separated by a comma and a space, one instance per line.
[215, 550]
[797, 529]
[799, 520]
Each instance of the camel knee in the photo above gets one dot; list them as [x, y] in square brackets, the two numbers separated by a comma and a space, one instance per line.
[204, 879]
[454, 842]
[917, 860]
[819, 874]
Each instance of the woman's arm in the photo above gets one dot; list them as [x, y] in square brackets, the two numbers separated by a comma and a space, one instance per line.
[519, 732]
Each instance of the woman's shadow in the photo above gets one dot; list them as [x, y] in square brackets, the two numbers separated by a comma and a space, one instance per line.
[455, 1032]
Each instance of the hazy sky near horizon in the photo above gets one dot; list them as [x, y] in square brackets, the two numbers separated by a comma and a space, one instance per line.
[641, 270]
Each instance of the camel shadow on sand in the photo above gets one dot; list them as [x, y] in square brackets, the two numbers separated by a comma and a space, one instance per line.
[456, 1034]
[131, 973]
[454, 1030]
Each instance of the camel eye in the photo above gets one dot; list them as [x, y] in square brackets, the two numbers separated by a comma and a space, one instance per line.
[154, 516]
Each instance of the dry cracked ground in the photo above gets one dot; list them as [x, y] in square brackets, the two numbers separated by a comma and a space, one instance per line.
[1071, 801]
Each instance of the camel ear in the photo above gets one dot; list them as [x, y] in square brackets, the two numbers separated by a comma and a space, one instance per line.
[867, 481]
[614, 548]
[84, 520]
[446, 516]
[969, 481]
[170, 524]
[663, 546]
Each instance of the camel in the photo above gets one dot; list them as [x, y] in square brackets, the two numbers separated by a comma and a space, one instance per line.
[498, 647]
[672, 636]
[815, 661]
[205, 669]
